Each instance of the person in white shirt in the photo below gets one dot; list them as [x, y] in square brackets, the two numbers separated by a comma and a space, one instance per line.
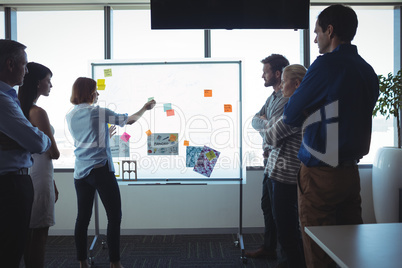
[94, 171]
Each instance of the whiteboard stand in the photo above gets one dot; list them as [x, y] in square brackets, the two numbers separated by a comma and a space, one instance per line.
[177, 78]
[97, 234]
[239, 242]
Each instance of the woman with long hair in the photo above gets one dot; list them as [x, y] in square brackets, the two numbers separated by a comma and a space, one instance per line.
[37, 82]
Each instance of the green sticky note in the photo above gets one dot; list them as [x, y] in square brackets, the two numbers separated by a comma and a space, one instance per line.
[107, 72]
[210, 155]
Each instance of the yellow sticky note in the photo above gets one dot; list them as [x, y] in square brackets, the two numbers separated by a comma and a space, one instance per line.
[107, 72]
[227, 108]
[210, 155]
[101, 84]
[148, 132]
[186, 143]
[172, 137]
[108, 125]
[207, 92]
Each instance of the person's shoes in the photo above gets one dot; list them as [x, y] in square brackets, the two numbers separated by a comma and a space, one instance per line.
[261, 253]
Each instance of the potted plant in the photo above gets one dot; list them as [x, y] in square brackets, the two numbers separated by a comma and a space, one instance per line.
[387, 165]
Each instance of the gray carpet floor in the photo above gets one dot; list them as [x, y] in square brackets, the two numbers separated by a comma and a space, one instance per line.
[215, 250]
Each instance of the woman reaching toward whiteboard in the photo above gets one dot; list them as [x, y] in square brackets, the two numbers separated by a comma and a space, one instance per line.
[94, 169]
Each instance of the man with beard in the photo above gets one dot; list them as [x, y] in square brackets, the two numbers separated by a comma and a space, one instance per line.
[272, 109]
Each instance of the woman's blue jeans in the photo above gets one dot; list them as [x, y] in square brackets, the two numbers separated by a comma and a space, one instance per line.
[103, 181]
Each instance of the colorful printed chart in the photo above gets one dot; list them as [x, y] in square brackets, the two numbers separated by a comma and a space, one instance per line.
[163, 144]
[206, 161]
[192, 154]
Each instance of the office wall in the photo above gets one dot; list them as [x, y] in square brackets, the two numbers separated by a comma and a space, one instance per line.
[181, 209]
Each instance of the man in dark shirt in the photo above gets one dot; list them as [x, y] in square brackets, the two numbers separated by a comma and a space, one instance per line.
[333, 105]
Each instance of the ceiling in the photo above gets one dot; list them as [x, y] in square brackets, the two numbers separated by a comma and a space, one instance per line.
[111, 2]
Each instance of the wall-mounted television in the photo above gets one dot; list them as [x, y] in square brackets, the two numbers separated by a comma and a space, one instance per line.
[230, 14]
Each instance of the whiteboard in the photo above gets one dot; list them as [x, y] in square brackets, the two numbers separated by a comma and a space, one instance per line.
[199, 119]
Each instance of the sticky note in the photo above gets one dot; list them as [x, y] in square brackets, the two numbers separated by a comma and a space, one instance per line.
[172, 137]
[170, 112]
[148, 132]
[167, 106]
[107, 72]
[207, 92]
[227, 108]
[108, 125]
[125, 137]
[151, 98]
[186, 143]
[101, 84]
[210, 155]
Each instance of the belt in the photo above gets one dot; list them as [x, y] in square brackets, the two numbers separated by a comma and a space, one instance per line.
[348, 163]
[21, 171]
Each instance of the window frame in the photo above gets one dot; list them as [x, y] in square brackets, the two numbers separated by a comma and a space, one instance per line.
[304, 41]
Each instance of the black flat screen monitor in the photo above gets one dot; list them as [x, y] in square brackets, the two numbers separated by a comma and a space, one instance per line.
[230, 14]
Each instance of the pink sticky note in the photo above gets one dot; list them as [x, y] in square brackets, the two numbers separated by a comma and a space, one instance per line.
[125, 137]
[170, 112]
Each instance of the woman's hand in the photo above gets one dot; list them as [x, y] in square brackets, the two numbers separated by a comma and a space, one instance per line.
[134, 117]
[112, 130]
[149, 105]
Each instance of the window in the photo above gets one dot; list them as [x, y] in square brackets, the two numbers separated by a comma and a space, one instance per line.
[65, 42]
[68, 41]
[251, 46]
[372, 35]
[134, 39]
[2, 33]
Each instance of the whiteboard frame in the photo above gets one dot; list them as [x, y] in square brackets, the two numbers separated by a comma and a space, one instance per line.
[192, 181]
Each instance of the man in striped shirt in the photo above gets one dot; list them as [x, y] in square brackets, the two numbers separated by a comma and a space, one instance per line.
[282, 169]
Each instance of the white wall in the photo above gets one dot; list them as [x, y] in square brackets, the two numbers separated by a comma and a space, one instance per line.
[178, 209]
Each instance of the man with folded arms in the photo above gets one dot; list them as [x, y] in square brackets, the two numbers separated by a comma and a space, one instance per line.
[18, 139]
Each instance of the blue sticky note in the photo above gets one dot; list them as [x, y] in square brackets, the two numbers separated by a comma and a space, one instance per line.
[167, 106]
